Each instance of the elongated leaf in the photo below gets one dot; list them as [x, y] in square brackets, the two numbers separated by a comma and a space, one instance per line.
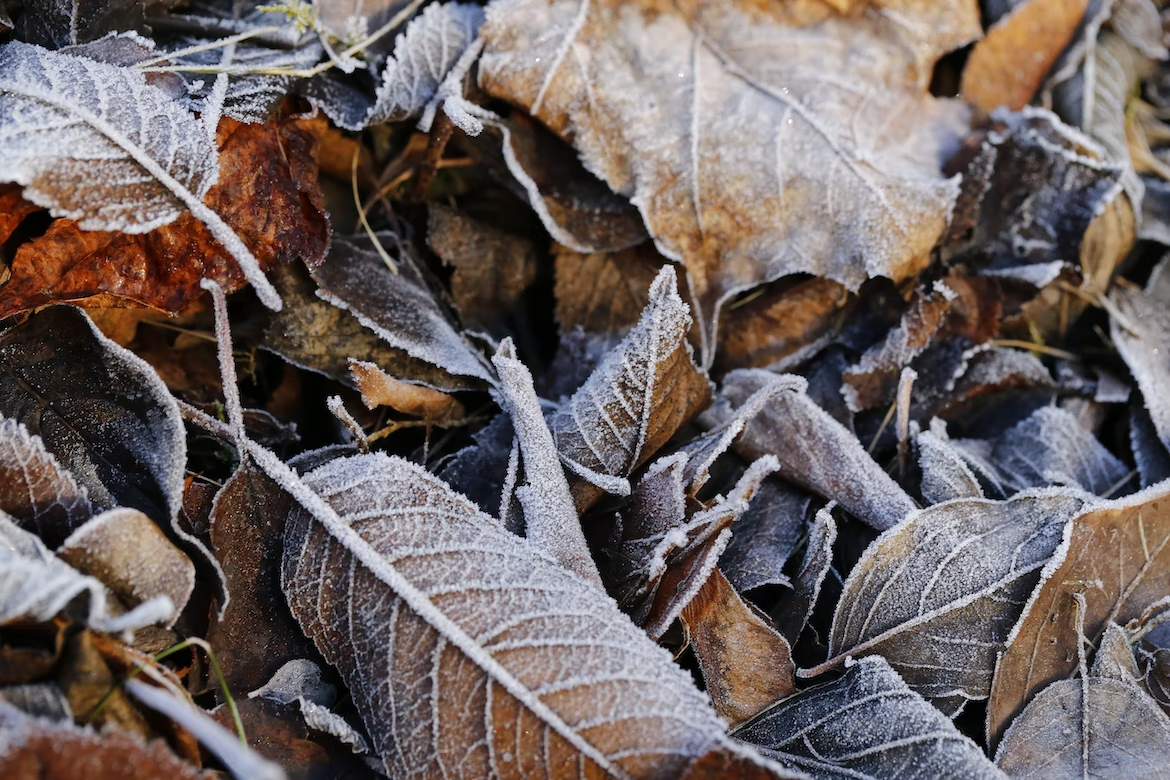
[35, 490]
[938, 594]
[466, 650]
[634, 401]
[1116, 555]
[868, 725]
[96, 143]
[1140, 327]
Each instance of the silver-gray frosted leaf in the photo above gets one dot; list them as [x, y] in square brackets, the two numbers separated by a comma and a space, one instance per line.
[868, 725]
[96, 143]
[938, 594]
[1140, 328]
[945, 474]
[1094, 727]
[794, 609]
[398, 307]
[765, 535]
[469, 652]
[815, 451]
[659, 99]
[57, 23]
[1048, 447]
[643, 390]
[35, 584]
[35, 489]
[423, 55]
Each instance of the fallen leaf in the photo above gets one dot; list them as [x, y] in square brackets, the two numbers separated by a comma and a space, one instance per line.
[380, 389]
[480, 469]
[61, 751]
[867, 725]
[492, 268]
[746, 664]
[792, 426]
[40, 700]
[1139, 326]
[765, 535]
[266, 192]
[661, 104]
[945, 473]
[633, 402]
[793, 611]
[605, 292]
[938, 594]
[1116, 555]
[1114, 658]
[57, 23]
[30, 649]
[1009, 64]
[111, 168]
[127, 552]
[35, 490]
[531, 670]
[13, 209]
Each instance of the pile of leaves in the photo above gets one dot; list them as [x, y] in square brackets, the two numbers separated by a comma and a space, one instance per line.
[555, 388]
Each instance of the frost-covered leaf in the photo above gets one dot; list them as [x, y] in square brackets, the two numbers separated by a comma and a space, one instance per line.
[604, 292]
[37, 585]
[57, 23]
[938, 594]
[94, 142]
[655, 99]
[765, 535]
[633, 402]
[53, 749]
[815, 451]
[35, 490]
[868, 725]
[1114, 658]
[1118, 556]
[100, 410]
[794, 610]
[463, 646]
[1094, 727]
[129, 554]
[1049, 447]
[1140, 328]
[1149, 453]
[42, 700]
[398, 307]
[479, 470]
[746, 664]
[945, 473]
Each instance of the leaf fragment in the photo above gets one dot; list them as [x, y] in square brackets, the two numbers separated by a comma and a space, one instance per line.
[35, 490]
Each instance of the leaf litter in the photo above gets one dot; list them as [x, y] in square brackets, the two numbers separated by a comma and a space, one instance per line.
[709, 390]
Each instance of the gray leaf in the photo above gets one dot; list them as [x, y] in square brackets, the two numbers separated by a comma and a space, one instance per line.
[464, 646]
[945, 474]
[764, 537]
[793, 611]
[1140, 328]
[868, 725]
[938, 594]
[96, 143]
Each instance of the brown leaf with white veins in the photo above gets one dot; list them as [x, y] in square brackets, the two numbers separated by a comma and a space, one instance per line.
[35, 489]
[746, 664]
[938, 594]
[469, 653]
[718, 121]
[1118, 557]
[633, 402]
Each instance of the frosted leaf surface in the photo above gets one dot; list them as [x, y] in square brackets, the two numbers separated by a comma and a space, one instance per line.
[1117, 555]
[299, 678]
[868, 725]
[94, 142]
[465, 648]
[130, 555]
[938, 594]
[765, 535]
[322, 719]
[57, 23]
[794, 610]
[399, 307]
[945, 474]
[35, 584]
[1049, 447]
[659, 103]
[638, 396]
[35, 489]
[1142, 336]
[1098, 727]
[815, 451]
[1149, 453]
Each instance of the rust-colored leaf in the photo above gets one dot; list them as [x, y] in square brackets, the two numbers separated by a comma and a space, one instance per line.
[605, 292]
[267, 193]
[380, 389]
[13, 209]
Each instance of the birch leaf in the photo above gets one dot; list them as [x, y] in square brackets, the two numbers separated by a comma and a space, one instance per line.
[868, 725]
[661, 103]
[96, 143]
[792, 426]
[1118, 557]
[466, 650]
[634, 401]
[38, 493]
[937, 594]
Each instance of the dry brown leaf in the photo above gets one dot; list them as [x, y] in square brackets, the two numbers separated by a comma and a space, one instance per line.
[86, 679]
[746, 664]
[267, 193]
[13, 209]
[380, 389]
[1009, 64]
[783, 327]
[127, 552]
[719, 122]
[1118, 556]
[39, 493]
[605, 292]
